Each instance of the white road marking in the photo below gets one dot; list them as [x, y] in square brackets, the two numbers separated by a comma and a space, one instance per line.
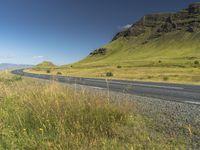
[158, 86]
[191, 102]
[140, 84]
[98, 88]
[83, 86]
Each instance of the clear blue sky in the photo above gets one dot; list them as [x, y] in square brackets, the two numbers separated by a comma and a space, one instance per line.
[65, 31]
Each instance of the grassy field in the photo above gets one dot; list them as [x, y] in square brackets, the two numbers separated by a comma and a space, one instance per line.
[173, 57]
[171, 49]
[46, 115]
[156, 74]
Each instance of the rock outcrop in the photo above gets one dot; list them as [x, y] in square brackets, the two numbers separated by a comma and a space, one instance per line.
[100, 51]
[187, 20]
[194, 8]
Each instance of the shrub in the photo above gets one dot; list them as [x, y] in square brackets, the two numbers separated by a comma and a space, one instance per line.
[150, 77]
[196, 62]
[16, 78]
[59, 73]
[119, 66]
[48, 71]
[11, 79]
[165, 78]
[145, 42]
[109, 74]
[159, 61]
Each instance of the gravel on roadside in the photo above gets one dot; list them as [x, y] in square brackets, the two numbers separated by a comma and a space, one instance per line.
[170, 117]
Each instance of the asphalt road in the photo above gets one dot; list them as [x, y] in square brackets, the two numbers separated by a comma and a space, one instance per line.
[165, 91]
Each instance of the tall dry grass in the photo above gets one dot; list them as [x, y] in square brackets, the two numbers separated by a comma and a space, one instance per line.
[42, 115]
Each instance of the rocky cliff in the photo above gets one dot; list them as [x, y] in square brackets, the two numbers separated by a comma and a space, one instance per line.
[158, 24]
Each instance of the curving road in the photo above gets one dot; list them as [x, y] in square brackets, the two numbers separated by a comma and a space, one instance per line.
[171, 92]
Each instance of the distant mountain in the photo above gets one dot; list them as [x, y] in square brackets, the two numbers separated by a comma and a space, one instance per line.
[4, 66]
[170, 38]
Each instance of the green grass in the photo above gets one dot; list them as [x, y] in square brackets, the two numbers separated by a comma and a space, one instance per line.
[173, 49]
[6, 79]
[45, 65]
[174, 56]
[187, 75]
[44, 115]
[176, 48]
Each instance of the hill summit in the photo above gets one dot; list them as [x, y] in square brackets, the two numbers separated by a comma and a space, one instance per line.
[186, 20]
[46, 64]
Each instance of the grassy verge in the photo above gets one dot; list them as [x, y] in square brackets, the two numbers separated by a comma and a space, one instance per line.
[43, 115]
[188, 75]
[173, 57]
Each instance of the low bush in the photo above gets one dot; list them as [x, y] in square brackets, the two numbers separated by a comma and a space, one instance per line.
[48, 71]
[165, 78]
[59, 73]
[10, 79]
[16, 78]
[109, 74]
[149, 77]
[196, 62]
[119, 66]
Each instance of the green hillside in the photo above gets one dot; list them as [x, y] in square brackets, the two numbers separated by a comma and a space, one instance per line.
[45, 64]
[170, 38]
[162, 47]
[172, 49]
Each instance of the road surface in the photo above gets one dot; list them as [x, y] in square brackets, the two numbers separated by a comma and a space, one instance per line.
[165, 91]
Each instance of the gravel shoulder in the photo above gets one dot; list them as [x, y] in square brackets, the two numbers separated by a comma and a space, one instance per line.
[174, 119]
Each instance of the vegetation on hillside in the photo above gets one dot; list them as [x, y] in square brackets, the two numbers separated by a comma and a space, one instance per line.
[170, 38]
[160, 47]
[45, 64]
[44, 115]
[177, 49]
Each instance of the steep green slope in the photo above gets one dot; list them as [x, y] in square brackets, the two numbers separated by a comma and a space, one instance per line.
[163, 47]
[172, 48]
[170, 38]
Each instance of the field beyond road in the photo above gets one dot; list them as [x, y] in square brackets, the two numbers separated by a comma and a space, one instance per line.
[35, 114]
[188, 75]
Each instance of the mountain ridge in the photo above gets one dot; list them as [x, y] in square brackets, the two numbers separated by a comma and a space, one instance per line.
[155, 37]
[187, 19]
[4, 66]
